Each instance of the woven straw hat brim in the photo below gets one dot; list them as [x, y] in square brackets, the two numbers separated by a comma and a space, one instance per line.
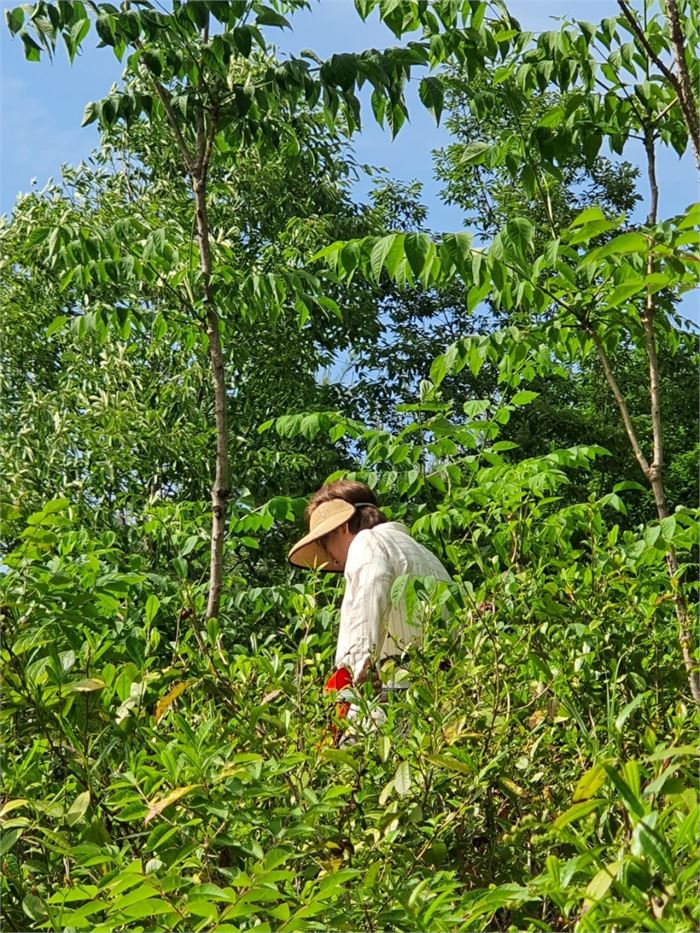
[308, 551]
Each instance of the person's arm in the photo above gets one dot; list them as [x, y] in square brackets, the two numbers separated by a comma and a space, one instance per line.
[367, 600]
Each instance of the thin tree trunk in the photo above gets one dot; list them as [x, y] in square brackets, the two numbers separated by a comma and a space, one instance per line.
[680, 82]
[687, 95]
[220, 491]
[655, 473]
[655, 479]
[197, 166]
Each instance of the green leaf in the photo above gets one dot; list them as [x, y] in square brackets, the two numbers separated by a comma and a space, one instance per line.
[627, 710]
[668, 528]
[243, 40]
[78, 809]
[181, 567]
[56, 325]
[76, 919]
[432, 94]
[590, 215]
[623, 292]
[152, 607]
[149, 908]
[152, 61]
[142, 893]
[380, 250]
[34, 907]
[417, 246]
[524, 397]
[14, 19]
[577, 812]
[340, 70]
[8, 838]
[631, 801]
[477, 407]
[648, 841]
[674, 751]
[475, 153]
[105, 27]
[623, 244]
[552, 117]
[32, 52]
[395, 254]
[438, 370]
[266, 16]
[200, 908]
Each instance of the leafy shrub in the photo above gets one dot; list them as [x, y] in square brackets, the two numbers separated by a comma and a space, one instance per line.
[538, 773]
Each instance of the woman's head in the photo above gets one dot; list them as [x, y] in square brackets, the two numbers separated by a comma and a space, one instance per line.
[334, 515]
[367, 511]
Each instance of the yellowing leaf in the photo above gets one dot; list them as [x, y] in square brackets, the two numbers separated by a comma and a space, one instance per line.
[509, 785]
[87, 685]
[402, 779]
[165, 702]
[589, 783]
[450, 763]
[600, 883]
[159, 805]
[78, 809]
[384, 746]
[537, 717]
[269, 697]
[11, 805]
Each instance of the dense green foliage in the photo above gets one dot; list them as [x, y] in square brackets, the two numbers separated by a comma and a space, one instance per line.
[539, 774]
[168, 758]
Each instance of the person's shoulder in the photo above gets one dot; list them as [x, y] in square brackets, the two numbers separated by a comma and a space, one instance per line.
[367, 545]
[391, 530]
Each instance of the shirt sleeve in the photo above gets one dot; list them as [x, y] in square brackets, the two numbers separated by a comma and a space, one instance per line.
[367, 600]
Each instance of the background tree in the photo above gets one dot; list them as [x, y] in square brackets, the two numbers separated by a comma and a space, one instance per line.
[194, 68]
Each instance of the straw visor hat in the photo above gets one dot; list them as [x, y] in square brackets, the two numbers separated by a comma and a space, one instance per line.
[309, 552]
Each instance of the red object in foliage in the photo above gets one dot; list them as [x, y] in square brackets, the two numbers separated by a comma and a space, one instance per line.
[337, 681]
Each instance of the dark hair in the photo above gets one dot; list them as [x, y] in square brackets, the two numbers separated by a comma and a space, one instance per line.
[366, 516]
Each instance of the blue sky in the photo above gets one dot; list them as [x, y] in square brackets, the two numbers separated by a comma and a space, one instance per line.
[42, 106]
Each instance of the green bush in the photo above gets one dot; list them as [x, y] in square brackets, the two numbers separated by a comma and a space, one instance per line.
[538, 774]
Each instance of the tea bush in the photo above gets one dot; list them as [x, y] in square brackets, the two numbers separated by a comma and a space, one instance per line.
[539, 773]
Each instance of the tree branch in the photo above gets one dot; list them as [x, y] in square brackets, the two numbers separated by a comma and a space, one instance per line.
[685, 95]
[619, 398]
[179, 138]
[680, 85]
[644, 42]
[165, 101]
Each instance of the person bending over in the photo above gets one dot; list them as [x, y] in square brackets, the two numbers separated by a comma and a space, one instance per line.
[348, 533]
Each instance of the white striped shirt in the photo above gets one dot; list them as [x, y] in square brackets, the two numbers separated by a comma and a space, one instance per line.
[370, 626]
